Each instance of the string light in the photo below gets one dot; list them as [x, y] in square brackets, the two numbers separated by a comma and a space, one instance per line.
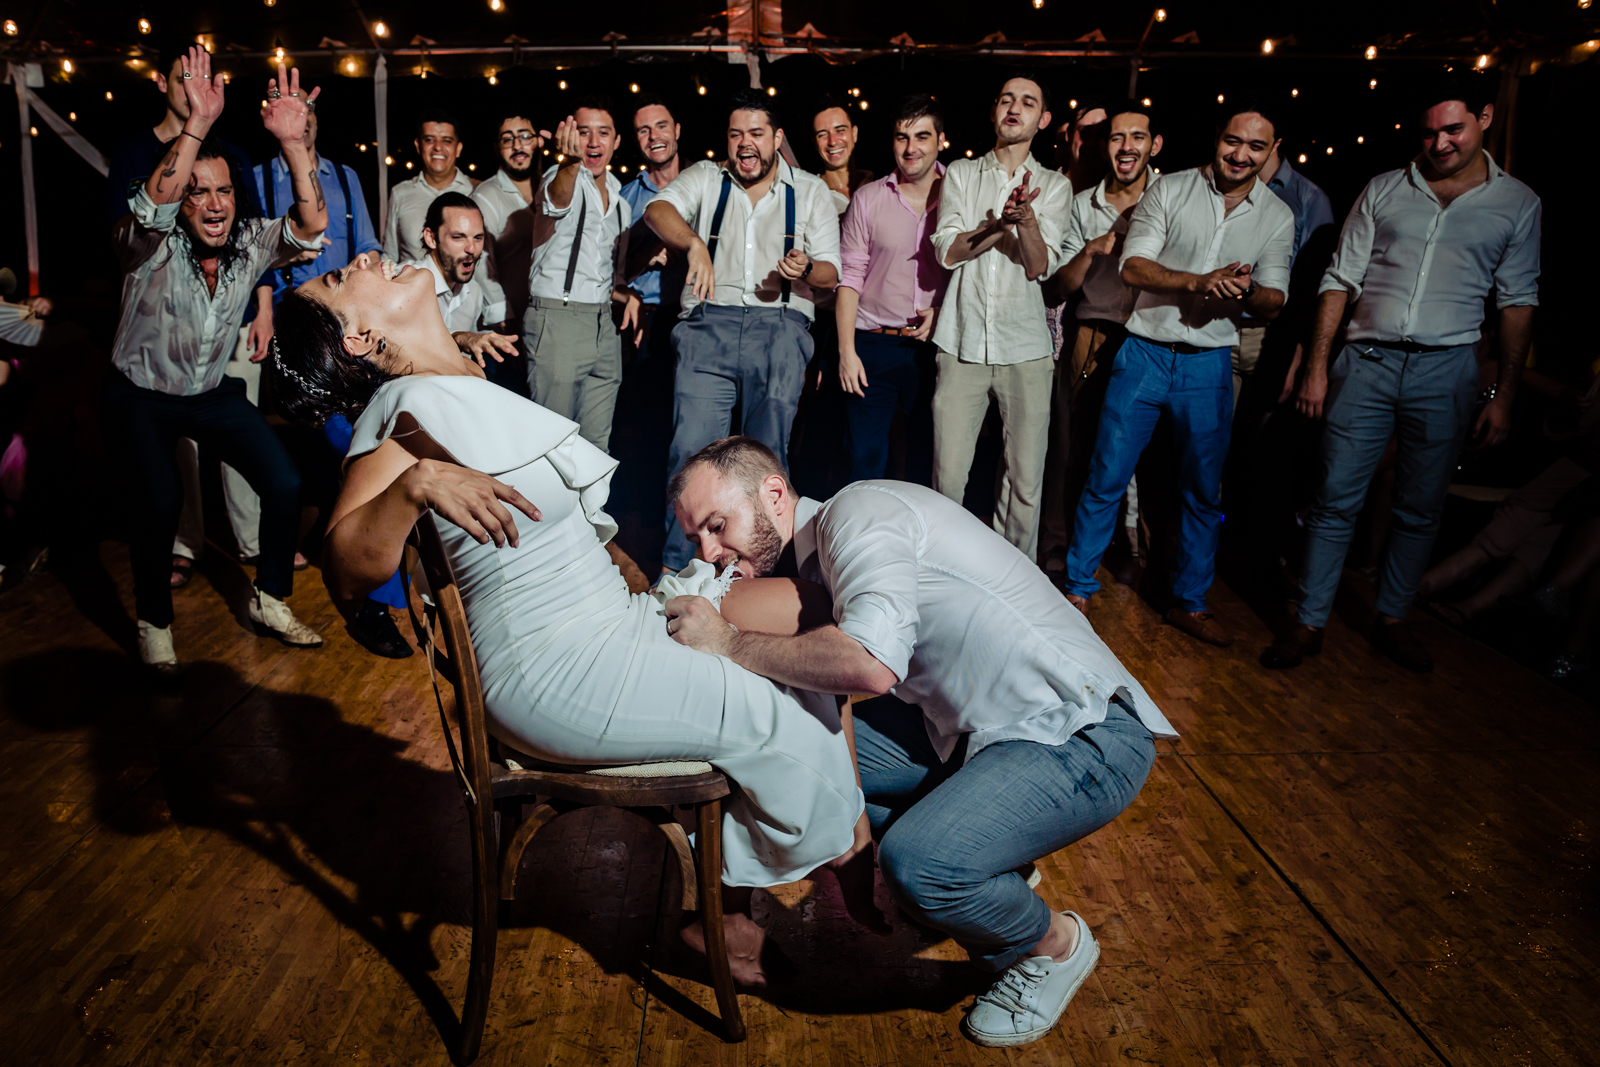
[1372, 51]
[1220, 98]
[11, 27]
[1397, 125]
[863, 105]
[361, 148]
[33, 131]
[633, 88]
[278, 52]
[855, 92]
[72, 116]
[1267, 46]
[701, 89]
[1294, 92]
[349, 65]
[561, 85]
[408, 164]
[144, 25]
[772, 90]
[66, 66]
[270, 3]
[472, 166]
[1145, 101]
[388, 161]
[497, 5]
[493, 80]
[1361, 140]
[1373, 84]
[380, 29]
[547, 151]
[969, 153]
[1483, 61]
[1037, 4]
[1330, 150]
[1302, 157]
[709, 154]
[624, 168]
[108, 94]
[1161, 14]
[1583, 5]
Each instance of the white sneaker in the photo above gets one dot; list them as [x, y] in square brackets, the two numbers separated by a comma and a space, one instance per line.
[1031, 995]
[155, 648]
[273, 615]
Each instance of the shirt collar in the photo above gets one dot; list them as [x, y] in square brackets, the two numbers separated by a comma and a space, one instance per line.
[992, 159]
[1209, 177]
[1414, 172]
[644, 180]
[1283, 175]
[805, 530]
[893, 180]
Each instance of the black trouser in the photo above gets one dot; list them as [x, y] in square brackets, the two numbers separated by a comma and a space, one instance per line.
[148, 426]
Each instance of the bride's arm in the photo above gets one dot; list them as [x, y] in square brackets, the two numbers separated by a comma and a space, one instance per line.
[385, 493]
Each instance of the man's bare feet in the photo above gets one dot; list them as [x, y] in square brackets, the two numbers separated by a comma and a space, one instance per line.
[747, 943]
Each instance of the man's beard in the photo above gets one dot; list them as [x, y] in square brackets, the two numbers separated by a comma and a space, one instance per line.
[767, 163]
[761, 551]
[452, 267]
[518, 175]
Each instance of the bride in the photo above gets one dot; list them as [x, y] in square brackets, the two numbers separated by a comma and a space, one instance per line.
[575, 669]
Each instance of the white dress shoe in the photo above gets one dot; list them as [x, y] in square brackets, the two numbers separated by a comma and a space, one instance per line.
[273, 616]
[1030, 996]
[155, 649]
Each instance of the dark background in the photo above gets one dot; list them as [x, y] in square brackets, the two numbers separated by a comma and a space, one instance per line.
[1333, 108]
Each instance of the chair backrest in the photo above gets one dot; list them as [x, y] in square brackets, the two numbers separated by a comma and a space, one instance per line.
[456, 662]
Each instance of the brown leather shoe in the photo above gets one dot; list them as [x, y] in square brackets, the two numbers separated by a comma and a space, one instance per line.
[1292, 646]
[1201, 625]
[1395, 640]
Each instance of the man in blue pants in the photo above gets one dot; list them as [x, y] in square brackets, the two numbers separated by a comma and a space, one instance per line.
[1420, 252]
[1203, 247]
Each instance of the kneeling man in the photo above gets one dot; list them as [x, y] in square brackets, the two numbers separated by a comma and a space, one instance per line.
[1030, 735]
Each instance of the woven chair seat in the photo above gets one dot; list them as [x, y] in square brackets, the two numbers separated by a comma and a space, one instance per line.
[654, 769]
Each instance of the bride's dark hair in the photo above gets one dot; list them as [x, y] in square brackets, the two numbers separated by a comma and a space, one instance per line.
[314, 377]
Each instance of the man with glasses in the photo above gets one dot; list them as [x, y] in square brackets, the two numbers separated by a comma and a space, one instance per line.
[513, 225]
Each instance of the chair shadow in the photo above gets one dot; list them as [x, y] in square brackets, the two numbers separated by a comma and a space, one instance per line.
[334, 804]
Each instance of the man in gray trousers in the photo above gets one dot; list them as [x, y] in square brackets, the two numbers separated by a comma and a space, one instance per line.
[1420, 252]
[760, 236]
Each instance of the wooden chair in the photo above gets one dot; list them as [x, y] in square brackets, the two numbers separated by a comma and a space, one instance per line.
[507, 804]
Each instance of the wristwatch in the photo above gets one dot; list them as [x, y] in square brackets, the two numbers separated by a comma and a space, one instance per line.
[810, 263]
[1248, 293]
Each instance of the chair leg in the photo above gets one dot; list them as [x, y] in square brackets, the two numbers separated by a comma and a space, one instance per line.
[710, 870]
[672, 830]
[485, 928]
[515, 844]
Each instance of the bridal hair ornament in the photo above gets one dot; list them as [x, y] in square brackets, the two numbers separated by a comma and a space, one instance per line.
[277, 361]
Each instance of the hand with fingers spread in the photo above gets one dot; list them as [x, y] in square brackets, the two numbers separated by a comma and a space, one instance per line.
[470, 499]
[702, 278]
[488, 344]
[203, 92]
[632, 314]
[288, 109]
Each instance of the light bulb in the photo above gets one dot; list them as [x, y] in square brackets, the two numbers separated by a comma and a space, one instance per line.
[633, 88]
[472, 166]
[1372, 51]
[1220, 98]
[1294, 92]
[701, 89]
[561, 85]
[33, 131]
[772, 90]
[66, 66]
[1072, 103]
[863, 105]
[361, 148]
[709, 154]
[497, 5]
[1302, 157]
[1330, 150]
[11, 27]
[1361, 140]
[72, 116]
[279, 53]
[408, 164]
[969, 153]
[380, 29]
[144, 25]
[493, 80]
[388, 161]
[1161, 14]
[1145, 101]
[1483, 61]
[108, 94]
[1037, 4]
[1373, 84]
[1266, 47]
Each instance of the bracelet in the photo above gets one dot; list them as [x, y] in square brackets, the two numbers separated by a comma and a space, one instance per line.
[810, 264]
[186, 133]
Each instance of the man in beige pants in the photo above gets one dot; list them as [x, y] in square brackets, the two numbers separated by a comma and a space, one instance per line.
[1000, 225]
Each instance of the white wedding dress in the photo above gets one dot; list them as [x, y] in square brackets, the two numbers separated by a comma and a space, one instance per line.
[577, 670]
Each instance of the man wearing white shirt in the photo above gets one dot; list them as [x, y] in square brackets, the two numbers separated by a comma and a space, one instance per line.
[1419, 254]
[1027, 734]
[513, 226]
[439, 146]
[1000, 224]
[1203, 246]
[574, 347]
[1090, 251]
[472, 303]
[759, 236]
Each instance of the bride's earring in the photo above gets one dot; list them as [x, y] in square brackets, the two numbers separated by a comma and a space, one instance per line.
[382, 344]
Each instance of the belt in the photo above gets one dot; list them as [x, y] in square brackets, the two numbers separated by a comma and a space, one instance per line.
[1407, 346]
[1181, 348]
[893, 331]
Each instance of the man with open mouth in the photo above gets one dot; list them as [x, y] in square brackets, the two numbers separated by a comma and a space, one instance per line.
[439, 145]
[760, 236]
[190, 264]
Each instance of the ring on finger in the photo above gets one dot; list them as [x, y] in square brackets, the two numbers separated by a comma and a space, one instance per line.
[273, 94]
[187, 75]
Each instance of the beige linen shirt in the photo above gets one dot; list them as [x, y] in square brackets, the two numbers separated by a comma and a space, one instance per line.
[513, 228]
[408, 210]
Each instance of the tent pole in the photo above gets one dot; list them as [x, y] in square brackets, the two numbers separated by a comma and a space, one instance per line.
[380, 106]
[30, 214]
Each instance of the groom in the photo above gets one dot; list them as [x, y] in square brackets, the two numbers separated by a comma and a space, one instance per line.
[1027, 734]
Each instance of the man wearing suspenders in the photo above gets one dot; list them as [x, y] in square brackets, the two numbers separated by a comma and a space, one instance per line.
[754, 261]
[574, 347]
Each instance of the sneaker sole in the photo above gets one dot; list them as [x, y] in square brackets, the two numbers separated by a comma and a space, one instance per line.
[1030, 1036]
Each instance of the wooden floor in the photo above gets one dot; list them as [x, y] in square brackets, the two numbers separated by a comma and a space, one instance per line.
[1341, 864]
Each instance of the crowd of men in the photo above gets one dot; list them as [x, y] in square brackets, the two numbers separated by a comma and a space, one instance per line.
[1097, 306]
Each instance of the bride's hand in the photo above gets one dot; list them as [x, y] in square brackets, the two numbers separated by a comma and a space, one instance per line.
[470, 499]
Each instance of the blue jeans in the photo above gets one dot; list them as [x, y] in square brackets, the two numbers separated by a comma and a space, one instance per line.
[953, 834]
[338, 432]
[900, 375]
[750, 358]
[1196, 392]
[1375, 392]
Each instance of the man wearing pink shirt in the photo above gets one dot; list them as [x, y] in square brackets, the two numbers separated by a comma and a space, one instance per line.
[890, 287]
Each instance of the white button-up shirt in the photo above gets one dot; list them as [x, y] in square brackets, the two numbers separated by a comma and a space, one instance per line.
[992, 313]
[1419, 272]
[973, 630]
[1183, 224]
[480, 303]
[600, 255]
[408, 210]
[176, 335]
[1104, 295]
[513, 228]
[747, 255]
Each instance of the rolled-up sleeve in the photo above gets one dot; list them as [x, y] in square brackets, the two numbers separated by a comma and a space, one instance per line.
[1147, 228]
[1348, 269]
[1271, 268]
[867, 543]
[684, 193]
[160, 218]
[853, 245]
[494, 302]
[822, 228]
[953, 208]
[1054, 212]
[1516, 278]
[1073, 238]
[277, 244]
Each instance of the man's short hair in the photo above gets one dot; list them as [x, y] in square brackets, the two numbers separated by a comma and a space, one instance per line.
[828, 103]
[596, 102]
[168, 50]
[1228, 111]
[511, 114]
[742, 461]
[1088, 104]
[439, 115]
[916, 106]
[435, 217]
[1134, 107]
[754, 100]
[645, 100]
[1028, 75]
[1475, 89]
